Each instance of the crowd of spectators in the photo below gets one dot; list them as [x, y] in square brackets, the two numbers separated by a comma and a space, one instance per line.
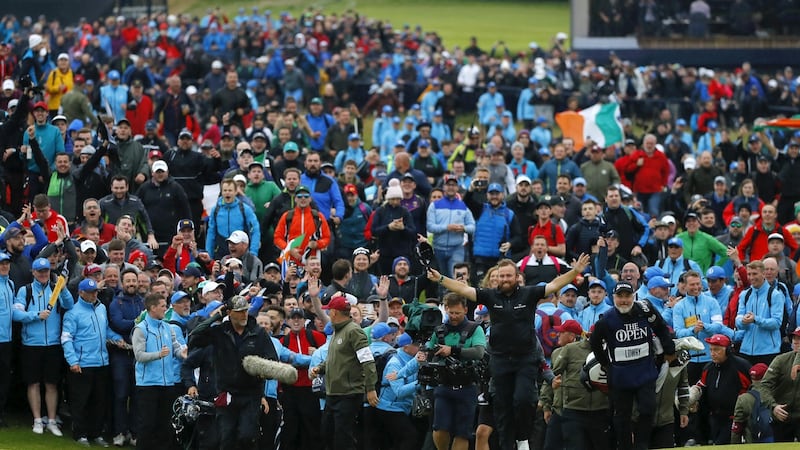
[162, 165]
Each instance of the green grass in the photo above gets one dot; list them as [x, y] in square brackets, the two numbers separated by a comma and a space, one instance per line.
[516, 22]
[20, 437]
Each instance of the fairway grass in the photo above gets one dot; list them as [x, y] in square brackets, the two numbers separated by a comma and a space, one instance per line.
[515, 22]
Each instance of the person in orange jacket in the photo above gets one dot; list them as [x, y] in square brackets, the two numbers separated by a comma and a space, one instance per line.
[306, 221]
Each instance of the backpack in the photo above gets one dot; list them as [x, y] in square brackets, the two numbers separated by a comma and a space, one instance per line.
[547, 334]
[786, 319]
[760, 420]
[380, 365]
[552, 232]
[686, 266]
[556, 264]
[290, 216]
[244, 217]
[309, 337]
[29, 296]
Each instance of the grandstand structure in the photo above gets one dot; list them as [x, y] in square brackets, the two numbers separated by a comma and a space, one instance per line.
[672, 32]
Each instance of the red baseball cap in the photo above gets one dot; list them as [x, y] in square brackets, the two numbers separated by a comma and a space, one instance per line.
[350, 189]
[155, 154]
[796, 332]
[573, 326]
[338, 303]
[719, 339]
[42, 105]
[757, 371]
[79, 79]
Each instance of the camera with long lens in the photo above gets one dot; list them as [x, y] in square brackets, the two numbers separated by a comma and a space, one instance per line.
[26, 84]
[453, 372]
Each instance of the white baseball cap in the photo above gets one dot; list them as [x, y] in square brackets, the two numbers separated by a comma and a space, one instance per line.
[216, 64]
[8, 85]
[13, 103]
[160, 165]
[211, 286]
[238, 237]
[241, 178]
[88, 245]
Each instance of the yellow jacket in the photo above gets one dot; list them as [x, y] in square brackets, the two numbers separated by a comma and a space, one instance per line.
[55, 79]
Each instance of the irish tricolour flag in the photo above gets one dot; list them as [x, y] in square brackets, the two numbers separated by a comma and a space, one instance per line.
[294, 243]
[601, 122]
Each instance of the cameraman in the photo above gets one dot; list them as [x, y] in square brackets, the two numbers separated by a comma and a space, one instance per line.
[515, 359]
[456, 398]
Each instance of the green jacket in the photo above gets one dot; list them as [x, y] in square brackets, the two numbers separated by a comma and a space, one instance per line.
[569, 364]
[260, 194]
[132, 161]
[75, 105]
[552, 399]
[350, 367]
[701, 249]
[674, 386]
[778, 388]
[743, 410]
[599, 176]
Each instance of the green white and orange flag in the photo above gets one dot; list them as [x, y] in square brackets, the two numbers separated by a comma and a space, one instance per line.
[294, 243]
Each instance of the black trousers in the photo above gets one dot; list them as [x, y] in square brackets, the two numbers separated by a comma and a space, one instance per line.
[553, 439]
[301, 419]
[271, 426]
[622, 401]
[87, 400]
[396, 431]
[339, 425]
[515, 397]
[154, 410]
[5, 375]
[237, 423]
[585, 429]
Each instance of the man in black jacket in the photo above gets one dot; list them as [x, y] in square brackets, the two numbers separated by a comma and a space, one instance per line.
[192, 170]
[165, 200]
[240, 395]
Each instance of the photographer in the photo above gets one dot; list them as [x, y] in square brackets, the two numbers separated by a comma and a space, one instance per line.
[456, 398]
[514, 363]
[240, 396]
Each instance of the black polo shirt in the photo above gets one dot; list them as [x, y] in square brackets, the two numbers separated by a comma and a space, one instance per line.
[512, 317]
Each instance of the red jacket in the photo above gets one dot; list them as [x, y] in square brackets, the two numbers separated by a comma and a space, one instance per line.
[138, 117]
[621, 165]
[652, 176]
[298, 343]
[756, 247]
[49, 225]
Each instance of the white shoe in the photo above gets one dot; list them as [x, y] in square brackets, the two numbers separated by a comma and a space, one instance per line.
[53, 428]
[38, 426]
[523, 445]
[119, 440]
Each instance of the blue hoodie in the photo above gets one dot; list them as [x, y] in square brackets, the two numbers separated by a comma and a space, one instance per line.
[50, 142]
[398, 396]
[444, 212]
[6, 307]
[226, 218]
[762, 337]
[35, 331]
[84, 333]
[151, 368]
[702, 308]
